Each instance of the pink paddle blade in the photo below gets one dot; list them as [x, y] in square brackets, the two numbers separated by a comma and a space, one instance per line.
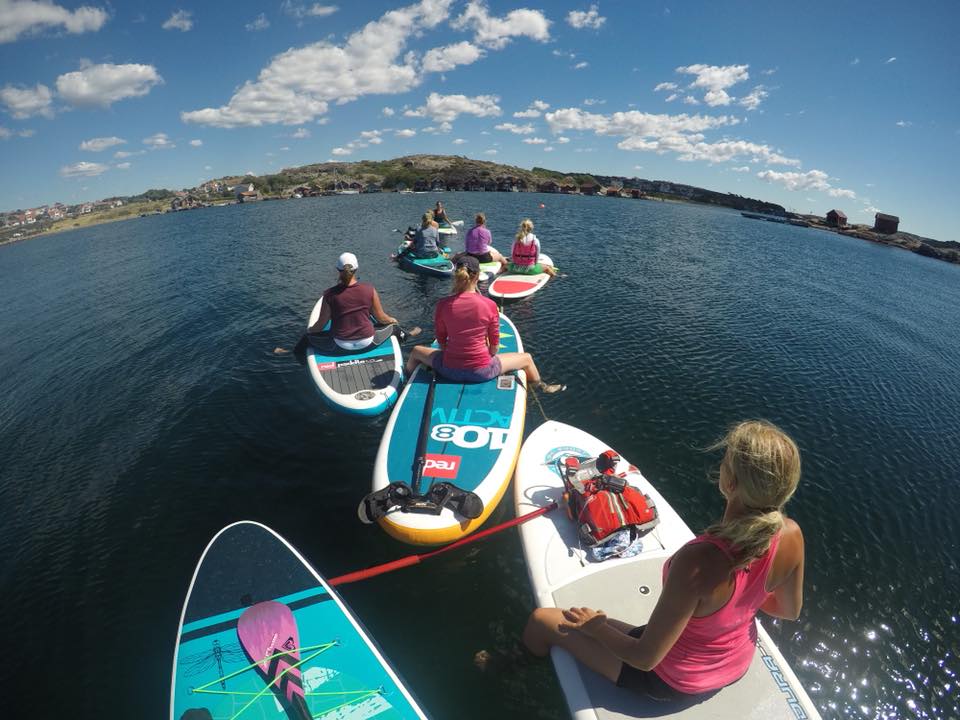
[268, 633]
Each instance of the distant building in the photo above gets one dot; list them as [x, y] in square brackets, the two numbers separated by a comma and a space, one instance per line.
[836, 218]
[569, 189]
[613, 192]
[371, 188]
[588, 189]
[885, 224]
[636, 194]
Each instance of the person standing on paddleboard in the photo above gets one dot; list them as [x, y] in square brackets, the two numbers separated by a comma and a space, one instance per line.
[701, 635]
[524, 259]
[478, 242]
[348, 306]
[467, 328]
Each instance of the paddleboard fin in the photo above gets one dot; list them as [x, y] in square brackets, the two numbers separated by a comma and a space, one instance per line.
[399, 496]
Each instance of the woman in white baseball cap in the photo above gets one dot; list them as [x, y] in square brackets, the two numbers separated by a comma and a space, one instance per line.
[348, 306]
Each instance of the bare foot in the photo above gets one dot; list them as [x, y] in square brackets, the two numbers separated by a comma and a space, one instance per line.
[482, 660]
[280, 351]
[550, 388]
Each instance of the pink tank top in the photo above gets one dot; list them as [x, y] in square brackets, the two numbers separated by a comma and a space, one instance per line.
[714, 650]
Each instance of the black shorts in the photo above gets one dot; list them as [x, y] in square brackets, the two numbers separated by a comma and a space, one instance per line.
[647, 682]
[485, 258]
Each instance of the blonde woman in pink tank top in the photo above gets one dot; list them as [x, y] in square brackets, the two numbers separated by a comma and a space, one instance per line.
[701, 635]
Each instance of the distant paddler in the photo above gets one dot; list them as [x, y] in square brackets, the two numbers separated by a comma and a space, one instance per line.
[426, 240]
[439, 214]
[478, 242]
[524, 258]
[467, 327]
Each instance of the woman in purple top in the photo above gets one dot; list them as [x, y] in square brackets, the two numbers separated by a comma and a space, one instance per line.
[478, 242]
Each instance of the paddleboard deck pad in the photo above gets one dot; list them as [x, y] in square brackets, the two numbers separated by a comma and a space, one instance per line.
[366, 382]
[262, 636]
[511, 286]
[472, 441]
[563, 575]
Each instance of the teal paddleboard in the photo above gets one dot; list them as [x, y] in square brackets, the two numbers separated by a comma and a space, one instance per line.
[473, 440]
[262, 635]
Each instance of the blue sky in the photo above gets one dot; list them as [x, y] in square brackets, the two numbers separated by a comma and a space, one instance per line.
[854, 105]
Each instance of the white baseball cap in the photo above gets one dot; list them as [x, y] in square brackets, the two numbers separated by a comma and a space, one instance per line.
[347, 259]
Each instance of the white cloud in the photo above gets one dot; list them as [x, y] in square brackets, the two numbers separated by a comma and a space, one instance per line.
[443, 127]
[810, 180]
[889, 60]
[459, 141]
[25, 102]
[387, 112]
[515, 129]
[300, 11]
[299, 84]
[753, 100]
[690, 100]
[497, 32]
[196, 143]
[665, 86]
[260, 22]
[121, 154]
[300, 134]
[581, 65]
[18, 17]
[181, 20]
[671, 97]
[448, 57]
[680, 134]
[904, 123]
[405, 133]
[548, 148]
[208, 167]
[581, 19]
[123, 166]
[769, 71]
[5, 133]
[158, 141]
[103, 85]
[855, 61]
[593, 101]
[101, 143]
[491, 151]
[83, 169]
[840, 192]
[341, 151]
[715, 79]
[535, 141]
[741, 169]
[535, 109]
[447, 108]
[561, 140]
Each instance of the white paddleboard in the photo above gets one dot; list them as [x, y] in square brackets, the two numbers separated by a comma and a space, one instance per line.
[511, 286]
[563, 575]
[366, 382]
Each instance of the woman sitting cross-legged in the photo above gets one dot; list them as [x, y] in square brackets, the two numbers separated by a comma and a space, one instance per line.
[701, 635]
[468, 332]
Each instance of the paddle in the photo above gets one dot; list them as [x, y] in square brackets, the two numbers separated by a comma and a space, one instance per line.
[268, 634]
[420, 458]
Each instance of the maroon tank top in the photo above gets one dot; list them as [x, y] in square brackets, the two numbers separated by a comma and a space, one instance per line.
[350, 310]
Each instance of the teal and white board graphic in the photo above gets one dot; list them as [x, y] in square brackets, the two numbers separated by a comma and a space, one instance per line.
[262, 636]
[474, 438]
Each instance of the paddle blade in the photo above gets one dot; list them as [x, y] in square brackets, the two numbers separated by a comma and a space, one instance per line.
[268, 634]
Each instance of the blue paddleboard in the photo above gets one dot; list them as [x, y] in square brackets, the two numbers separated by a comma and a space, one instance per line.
[474, 438]
[262, 636]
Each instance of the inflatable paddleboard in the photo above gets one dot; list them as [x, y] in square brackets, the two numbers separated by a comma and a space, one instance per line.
[511, 286]
[448, 230]
[262, 635]
[358, 383]
[563, 575]
[438, 266]
[475, 432]
[488, 271]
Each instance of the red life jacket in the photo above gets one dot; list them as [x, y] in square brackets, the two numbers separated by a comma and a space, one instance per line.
[524, 255]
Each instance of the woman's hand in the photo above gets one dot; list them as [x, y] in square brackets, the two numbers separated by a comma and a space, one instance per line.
[583, 619]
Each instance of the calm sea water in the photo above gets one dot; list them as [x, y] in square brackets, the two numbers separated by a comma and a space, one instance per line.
[142, 409]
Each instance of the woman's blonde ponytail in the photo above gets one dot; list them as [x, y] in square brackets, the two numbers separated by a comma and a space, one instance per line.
[346, 275]
[462, 280]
